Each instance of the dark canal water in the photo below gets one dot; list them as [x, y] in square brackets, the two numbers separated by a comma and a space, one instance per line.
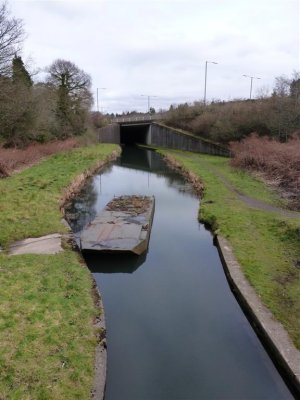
[174, 329]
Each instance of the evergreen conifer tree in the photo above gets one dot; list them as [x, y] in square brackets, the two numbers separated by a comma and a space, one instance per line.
[20, 73]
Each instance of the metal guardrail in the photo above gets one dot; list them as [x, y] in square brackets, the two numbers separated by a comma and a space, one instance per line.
[137, 119]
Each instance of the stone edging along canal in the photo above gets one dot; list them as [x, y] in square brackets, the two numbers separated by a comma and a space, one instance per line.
[272, 333]
[100, 353]
[79, 181]
[98, 389]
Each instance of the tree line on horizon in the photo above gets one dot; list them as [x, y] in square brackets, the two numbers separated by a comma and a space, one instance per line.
[59, 106]
[276, 116]
[55, 108]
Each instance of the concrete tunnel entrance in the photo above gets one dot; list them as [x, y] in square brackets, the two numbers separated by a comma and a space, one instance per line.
[135, 133]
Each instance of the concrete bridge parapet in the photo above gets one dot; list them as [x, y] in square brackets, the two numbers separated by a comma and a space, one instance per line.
[139, 118]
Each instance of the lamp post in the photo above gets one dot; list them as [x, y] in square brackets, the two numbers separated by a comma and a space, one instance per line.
[101, 88]
[251, 83]
[205, 80]
[146, 95]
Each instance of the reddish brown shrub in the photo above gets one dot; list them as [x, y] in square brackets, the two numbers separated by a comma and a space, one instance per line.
[15, 159]
[277, 161]
[3, 171]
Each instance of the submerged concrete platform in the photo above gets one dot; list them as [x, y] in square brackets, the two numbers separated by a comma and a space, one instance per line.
[123, 226]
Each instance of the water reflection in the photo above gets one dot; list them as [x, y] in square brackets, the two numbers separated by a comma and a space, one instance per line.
[144, 160]
[114, 263]
[80, 212]
[174, 329]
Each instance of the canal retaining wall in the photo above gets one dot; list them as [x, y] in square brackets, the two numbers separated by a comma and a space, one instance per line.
[161, 136]
[101, 352]
[272, 333]
[164, 136]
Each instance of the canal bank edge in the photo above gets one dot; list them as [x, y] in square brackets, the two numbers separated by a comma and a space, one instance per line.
[100, 353]
[274, 336]
[272, 332]
[78, 182]
[100, 364]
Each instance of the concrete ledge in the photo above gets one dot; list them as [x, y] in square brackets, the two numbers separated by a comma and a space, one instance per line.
[274, 336]
[101, 353]
[49, 244]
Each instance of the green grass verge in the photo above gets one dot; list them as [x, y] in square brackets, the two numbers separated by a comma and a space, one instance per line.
[47, 337]
[46, 332]
[242, 181]
[29, 201]
[266, 244]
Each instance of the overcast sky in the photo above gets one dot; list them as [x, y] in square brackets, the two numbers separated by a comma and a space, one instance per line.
[159, 48]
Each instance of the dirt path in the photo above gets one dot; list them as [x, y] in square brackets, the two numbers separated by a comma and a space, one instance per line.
[250, 201]
[254, 203]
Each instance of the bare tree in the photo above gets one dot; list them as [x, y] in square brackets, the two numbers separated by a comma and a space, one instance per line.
[295, 86]
[282, 86]
[11, 36]
[74, 97]
[67, 75]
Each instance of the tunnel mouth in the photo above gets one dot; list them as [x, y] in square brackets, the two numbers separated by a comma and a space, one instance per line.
[134, 134]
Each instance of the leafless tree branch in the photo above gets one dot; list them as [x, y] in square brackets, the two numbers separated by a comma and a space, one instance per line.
[11, 36]
[66, 74]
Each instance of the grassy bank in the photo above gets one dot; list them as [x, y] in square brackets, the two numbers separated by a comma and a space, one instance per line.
[29, 201]
[47, 337]
[265, 243]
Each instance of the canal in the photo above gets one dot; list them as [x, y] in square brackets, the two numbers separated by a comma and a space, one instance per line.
[174, 329]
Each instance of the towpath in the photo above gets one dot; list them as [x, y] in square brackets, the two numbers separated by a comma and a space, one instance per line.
[255, 203]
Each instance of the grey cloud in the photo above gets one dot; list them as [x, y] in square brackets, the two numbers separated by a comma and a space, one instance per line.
[160, 47]
[59, 9]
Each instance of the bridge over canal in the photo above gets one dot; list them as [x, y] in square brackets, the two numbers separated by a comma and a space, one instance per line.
[149, 130]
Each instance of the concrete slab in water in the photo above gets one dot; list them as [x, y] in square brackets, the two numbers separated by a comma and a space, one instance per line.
[50, 244]
[124, 225]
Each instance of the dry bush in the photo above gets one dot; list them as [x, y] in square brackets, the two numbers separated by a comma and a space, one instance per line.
[3, 171]
[279, 162]
[222, 122]
[202, 124]
[13, 159]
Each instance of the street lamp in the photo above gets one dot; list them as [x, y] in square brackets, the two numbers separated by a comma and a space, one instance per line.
[101, 88]
[146, 95]
[205, 80]
[251, 82]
